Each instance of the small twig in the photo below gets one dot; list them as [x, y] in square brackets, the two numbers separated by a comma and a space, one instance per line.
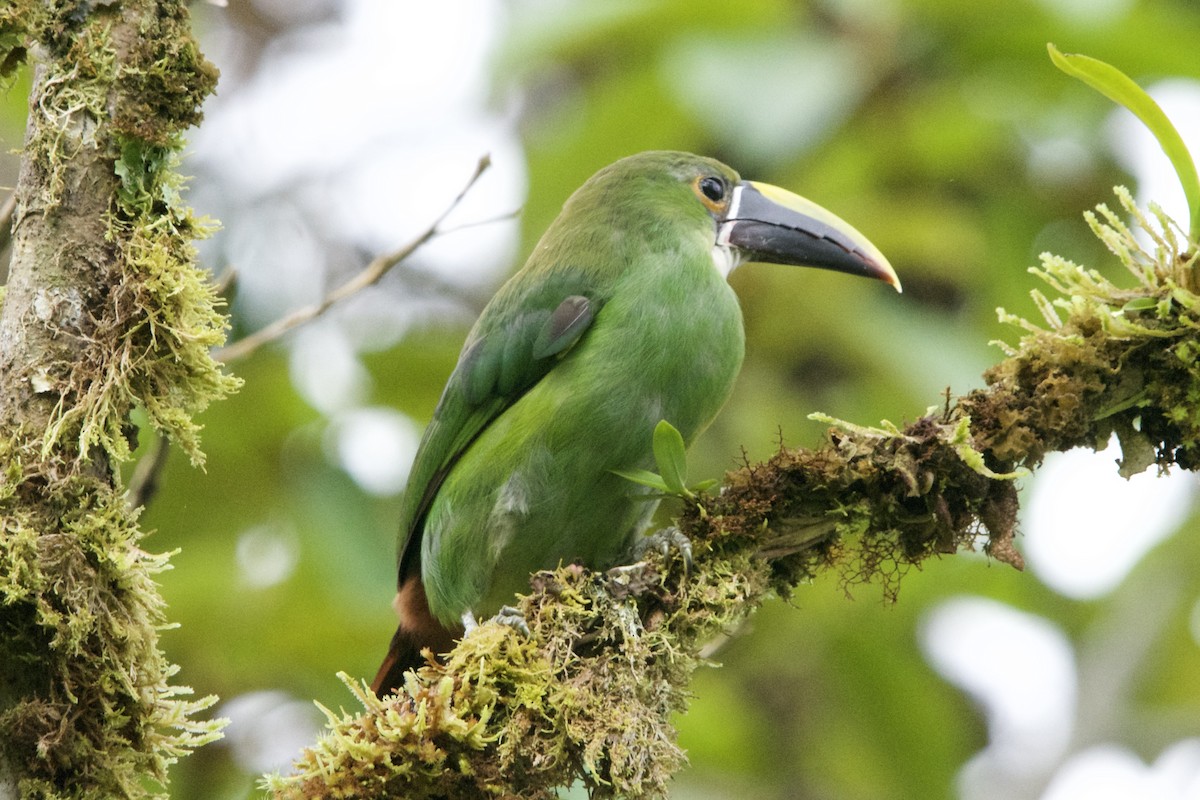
[7, 210]
[475, 223]
[370, 275]
[143, 483]
[225, 282]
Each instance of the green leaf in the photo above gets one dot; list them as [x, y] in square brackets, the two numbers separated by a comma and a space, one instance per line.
[671, 457]
[1140, 304]
[644, 477]
[1120, 88]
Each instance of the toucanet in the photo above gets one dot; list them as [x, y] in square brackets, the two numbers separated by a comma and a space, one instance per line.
[620, 318]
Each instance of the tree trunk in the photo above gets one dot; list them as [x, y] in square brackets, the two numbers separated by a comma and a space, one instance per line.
[104, 311]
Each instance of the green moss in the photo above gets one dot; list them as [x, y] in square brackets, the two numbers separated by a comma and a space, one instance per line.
[164, 80]
[89, 709]
[588, 697]
[15, 20]
[1108, 359]
[152, 347]
[80, 617]
[154, 350]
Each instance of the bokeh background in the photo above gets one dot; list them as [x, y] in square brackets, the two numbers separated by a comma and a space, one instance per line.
[342, 128]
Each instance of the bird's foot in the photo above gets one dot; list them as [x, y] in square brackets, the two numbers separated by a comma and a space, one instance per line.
[508, 616]
[663, 541]
[511, 616]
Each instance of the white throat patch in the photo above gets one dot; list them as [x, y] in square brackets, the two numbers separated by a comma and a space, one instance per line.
[725, 256]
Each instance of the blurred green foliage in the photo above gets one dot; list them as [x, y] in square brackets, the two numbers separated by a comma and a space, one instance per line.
[942, 131]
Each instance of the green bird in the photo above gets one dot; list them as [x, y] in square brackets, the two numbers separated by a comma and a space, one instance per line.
[620, 318]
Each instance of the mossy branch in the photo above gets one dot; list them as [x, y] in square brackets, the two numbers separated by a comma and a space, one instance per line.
[105, 311]
[588, 698]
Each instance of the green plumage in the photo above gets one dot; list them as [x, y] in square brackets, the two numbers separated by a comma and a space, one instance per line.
[620, 318]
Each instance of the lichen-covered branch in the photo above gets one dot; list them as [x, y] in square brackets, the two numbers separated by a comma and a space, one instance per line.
[105, 311]
[588, 697]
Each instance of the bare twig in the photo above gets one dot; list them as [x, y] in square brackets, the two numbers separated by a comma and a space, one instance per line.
[370, 275]
[7, 210]
[225, 282]
[475, 223]
[144, 482]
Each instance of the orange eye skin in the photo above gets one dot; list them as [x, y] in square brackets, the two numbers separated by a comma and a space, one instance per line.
[712, 192]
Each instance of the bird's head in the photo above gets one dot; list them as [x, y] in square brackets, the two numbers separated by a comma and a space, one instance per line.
[747, 220]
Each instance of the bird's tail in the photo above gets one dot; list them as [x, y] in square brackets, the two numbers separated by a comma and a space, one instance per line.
[404, 653]
[418, 631]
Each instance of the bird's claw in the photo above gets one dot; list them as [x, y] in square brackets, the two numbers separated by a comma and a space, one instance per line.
[511, 617]
[508, 616]
[662, 541]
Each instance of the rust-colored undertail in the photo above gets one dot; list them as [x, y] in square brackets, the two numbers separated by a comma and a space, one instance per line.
[417, 630]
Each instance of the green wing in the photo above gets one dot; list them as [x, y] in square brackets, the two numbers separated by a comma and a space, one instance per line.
[523, 333]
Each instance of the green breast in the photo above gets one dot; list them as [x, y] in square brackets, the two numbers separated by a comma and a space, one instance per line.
[537, 488]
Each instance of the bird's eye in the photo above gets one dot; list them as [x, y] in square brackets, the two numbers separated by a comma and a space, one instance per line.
[713, 189]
